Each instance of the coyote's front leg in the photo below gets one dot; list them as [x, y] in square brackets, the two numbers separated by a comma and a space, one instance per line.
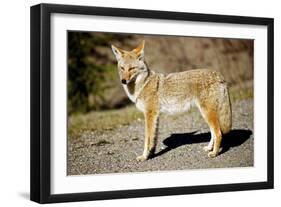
[151, 119]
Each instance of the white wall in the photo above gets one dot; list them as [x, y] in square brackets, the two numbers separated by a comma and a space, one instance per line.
[14, 109]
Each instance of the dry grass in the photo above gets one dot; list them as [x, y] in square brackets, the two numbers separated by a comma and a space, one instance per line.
[102, 120]
[242, 91]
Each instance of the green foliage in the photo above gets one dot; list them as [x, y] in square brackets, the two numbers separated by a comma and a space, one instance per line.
[85, 77]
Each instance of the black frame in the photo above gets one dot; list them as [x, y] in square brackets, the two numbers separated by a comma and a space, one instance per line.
[40, 102]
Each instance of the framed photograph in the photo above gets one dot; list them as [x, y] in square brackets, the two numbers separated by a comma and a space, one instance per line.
[132, 103]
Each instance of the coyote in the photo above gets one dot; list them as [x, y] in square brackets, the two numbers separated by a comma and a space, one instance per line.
[155, 93]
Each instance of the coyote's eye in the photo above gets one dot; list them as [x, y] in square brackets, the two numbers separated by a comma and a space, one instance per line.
[122, 68]
[131, 68]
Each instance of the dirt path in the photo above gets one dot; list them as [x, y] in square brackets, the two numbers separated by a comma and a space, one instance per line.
[181, 140]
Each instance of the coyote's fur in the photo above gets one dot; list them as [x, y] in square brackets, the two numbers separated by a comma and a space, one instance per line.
[155, 93]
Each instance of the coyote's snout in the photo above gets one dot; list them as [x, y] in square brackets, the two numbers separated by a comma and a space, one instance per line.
[155, 93]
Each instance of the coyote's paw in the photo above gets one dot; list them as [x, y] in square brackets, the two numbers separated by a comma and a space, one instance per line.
[207, 148]
[141, 158]
[212, 154]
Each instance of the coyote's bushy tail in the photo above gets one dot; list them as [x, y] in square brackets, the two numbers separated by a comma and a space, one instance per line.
[224, 111]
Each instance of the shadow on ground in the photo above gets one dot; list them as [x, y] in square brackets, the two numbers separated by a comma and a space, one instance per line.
[233, 139]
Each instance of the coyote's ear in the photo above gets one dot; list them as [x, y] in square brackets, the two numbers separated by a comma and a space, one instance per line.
[139, 51]
[117, 52]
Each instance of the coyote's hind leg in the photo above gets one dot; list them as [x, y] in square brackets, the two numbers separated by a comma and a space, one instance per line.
[211, 117]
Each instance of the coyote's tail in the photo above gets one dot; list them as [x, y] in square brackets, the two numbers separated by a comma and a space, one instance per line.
[224, 111]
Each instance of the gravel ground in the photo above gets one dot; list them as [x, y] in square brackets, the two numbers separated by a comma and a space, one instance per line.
[180, 145]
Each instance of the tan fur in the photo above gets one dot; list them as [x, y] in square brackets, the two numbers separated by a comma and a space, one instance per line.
[155, 93]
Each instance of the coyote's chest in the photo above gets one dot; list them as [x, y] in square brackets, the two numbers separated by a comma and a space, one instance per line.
[130, 94]
[133, 97]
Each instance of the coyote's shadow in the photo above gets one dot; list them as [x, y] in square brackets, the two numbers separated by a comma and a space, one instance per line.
[232, 139]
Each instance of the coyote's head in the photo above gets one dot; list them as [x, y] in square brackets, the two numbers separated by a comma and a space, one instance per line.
[130, 63]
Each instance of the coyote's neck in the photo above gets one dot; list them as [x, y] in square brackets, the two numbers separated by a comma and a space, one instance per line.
[134, 88]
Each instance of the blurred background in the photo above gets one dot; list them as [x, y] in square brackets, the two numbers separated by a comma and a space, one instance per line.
[93, 82]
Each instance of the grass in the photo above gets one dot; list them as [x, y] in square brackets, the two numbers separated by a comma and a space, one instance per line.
[102, 120]
[242, 91]
[111, 119]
